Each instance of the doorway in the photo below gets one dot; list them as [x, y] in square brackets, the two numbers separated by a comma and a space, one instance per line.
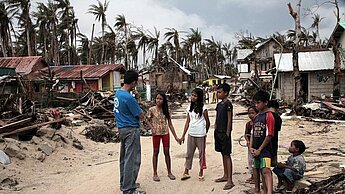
[305, 86]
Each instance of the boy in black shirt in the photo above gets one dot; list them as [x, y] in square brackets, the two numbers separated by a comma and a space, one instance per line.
[273, 106]
[222, 133]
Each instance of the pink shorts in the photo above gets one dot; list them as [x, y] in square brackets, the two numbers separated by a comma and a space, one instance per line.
[156, 139]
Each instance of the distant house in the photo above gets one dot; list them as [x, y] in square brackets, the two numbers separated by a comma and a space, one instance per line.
[23, 65]
[217, 79]
[243, 63]
[316, 69]
[262, 57]
[76, 78]
[172, 75]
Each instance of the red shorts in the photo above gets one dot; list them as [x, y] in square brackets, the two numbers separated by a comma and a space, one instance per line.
[156, 139]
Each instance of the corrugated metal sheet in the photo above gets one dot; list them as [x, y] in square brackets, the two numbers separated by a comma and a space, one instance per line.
[88, 71]
[243, 53]
[23, 65]
[308, 61]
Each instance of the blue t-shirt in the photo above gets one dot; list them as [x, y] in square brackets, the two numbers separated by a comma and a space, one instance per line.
[126, 110]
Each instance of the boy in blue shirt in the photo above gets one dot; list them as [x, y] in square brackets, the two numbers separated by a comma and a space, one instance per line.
[128, 114]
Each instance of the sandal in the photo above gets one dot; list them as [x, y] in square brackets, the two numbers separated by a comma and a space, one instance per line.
[249, 180]
[171, 177]
[156, 178]
[185, 177]
[279, 189]
[201, 178]
[219, 180]
[228, 186]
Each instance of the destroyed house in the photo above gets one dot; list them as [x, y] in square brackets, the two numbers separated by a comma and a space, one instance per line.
[23, 65]
[173, 75]
[8, 81]
[316, 70]
[261, 57]
[77, 78]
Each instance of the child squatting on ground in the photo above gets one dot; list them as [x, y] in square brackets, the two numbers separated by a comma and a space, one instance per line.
[252, 111]
[261, 144]
[293, 169]
[160, 122]
[222, 134]
[197, 125]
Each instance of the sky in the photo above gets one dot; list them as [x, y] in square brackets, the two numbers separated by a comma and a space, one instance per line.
[221, 19]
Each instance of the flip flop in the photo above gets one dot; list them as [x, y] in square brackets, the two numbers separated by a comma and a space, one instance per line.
[228, 186]
[185, 177]
[219, 180]
[279, 189]
[201, 178]
[171, 177]
[156, 178]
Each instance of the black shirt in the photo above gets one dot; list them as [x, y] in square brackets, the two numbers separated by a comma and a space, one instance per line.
[222, 116]
[277, 128]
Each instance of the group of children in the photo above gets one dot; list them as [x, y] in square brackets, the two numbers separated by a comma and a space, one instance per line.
[261, 134]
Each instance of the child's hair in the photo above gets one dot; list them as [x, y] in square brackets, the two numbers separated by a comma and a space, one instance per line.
[300, 145]
[225, 87]
[165, 106]
[199, 104]
[130, 76]
[273, 104]
[262, 96]
[254, 108]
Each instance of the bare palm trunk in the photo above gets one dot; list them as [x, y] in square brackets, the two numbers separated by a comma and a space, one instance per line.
[296, 73]
[336, 52]
[102, 57]
[90, 46]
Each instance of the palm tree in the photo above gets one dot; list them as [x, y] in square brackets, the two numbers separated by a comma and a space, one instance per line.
[5, 31]
[99, 11]
[23, 19]
[195, 38]
[153, 45]
[316, 25]
[142, 44]
[121, 24]
[173, 34]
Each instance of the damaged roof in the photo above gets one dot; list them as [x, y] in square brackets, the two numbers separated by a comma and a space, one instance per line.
[23, 65]
[88, 71]
[308, 61]
[243, 53]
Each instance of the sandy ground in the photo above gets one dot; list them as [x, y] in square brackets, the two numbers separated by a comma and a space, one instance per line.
[96, 168]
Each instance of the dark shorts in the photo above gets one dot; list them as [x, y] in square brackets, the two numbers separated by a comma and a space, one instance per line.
[222, 143]
[287, 174]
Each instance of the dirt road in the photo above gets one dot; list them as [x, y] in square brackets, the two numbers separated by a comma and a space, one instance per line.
[96, 168]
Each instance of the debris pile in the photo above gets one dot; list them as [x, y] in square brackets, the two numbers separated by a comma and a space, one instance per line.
[332, 185]
[101, 133]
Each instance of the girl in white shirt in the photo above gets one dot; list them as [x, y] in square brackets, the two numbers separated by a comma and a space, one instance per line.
[197, 123]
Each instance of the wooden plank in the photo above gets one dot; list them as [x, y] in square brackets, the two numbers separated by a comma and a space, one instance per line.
[63, 98]
[31, 127]
[20, 122]
[85, 115]
[311, 173]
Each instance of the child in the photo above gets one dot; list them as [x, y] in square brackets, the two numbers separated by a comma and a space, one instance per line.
[252, 111]
[260, 143]
[160, 122]
[197, 124]
[293, 169]
[273, 106]
[222, 134]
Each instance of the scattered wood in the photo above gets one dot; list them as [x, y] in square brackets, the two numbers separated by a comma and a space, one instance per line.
[24, 129]
[14, 124]
[64, 98]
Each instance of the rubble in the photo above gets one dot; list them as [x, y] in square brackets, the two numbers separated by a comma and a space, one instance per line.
[4, 159]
